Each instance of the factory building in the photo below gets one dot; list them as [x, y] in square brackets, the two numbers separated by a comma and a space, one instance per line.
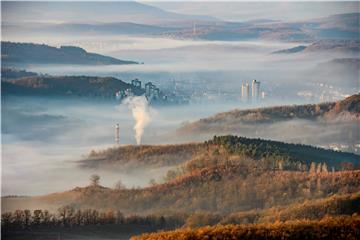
[136, 83]
[151, 91]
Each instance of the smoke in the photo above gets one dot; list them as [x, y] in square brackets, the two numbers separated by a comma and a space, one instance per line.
[140, 112]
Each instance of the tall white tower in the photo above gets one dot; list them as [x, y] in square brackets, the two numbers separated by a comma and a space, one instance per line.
[194, 28]
[255, 90]
[245, 91]
[117, 133]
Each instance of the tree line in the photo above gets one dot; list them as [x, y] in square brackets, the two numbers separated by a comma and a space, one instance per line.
[68, 216]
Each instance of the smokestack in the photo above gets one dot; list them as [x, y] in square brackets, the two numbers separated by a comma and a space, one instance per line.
[140, 112]
[117, 134]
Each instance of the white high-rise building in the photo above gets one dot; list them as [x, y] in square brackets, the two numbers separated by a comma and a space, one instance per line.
[245, 91]
[255, 90]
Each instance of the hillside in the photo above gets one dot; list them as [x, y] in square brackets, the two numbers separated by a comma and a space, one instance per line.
[226, 180]
[348, 46]
[332, 29]
[133, 157]
[29, 53]
[13, 73]
[207, 154]
[327, 228]
[80, 86]
[222, 190]
[94, 12]
[228, 174]
[233, 120]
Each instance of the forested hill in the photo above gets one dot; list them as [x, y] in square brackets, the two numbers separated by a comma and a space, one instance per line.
[30, 53]
[79, 86]
[233, 178]
[272, 154]
[347, 109]
[289, 155]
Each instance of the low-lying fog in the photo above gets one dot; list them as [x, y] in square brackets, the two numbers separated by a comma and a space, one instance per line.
[43, 137]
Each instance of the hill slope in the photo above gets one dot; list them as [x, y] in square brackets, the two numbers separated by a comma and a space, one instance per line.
[93, 12]
[85, 86]
[327, 228]
[207, 154]
[235, 118]
[233, 177]
[348, 46]
[29, 53]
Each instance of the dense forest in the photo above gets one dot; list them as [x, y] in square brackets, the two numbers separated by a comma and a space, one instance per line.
[79, 86]
[347, 109]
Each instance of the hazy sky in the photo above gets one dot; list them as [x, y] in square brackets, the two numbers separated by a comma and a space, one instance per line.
[250, 10]
[84, 12]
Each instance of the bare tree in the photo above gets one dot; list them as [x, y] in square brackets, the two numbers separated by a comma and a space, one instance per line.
[119, 185]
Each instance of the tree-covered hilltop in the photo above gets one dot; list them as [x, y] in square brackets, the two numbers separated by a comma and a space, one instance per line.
[271, 155]
[285, 155]
[83, 86]
[29, 53]
[347, 109]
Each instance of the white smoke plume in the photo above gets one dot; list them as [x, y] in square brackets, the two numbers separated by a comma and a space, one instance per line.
[140, 112]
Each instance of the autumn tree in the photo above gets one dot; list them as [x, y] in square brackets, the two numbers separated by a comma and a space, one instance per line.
[324, 168]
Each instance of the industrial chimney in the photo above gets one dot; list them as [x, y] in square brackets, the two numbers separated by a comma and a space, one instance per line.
[117, 134]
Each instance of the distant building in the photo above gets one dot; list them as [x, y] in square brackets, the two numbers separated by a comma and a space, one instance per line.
[263, 95]
[255, 90]
[149, 87]
[156, 93]
[128, 93]
[118, 95]
[136, 83]
[245, 92]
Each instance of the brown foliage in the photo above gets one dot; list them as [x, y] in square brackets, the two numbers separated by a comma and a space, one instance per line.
[328, 228]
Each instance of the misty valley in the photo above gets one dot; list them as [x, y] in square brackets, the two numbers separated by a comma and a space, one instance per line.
[180, 120]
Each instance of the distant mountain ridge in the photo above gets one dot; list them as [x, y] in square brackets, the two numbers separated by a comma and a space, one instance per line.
[350, 46]
[93, 12]
[349, 107]
[142, 19]
[127, 28]
[334, 27]
[29, 53]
